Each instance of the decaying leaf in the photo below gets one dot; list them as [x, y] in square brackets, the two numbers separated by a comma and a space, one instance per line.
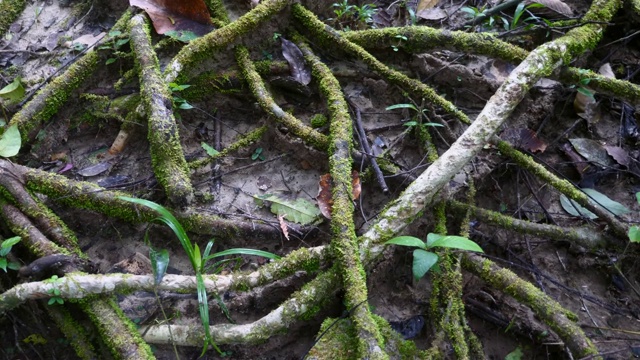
[524, 138]
[283, 226]
[187, 15]
[96, 169]
[620, 155]
[324, 198]
[427, 10]
[300, 210]
[297, 65]
[593, 151]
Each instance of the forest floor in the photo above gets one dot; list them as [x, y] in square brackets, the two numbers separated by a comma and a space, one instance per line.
[600, 284]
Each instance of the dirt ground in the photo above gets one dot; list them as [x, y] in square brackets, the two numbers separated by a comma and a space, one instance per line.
[599, 285]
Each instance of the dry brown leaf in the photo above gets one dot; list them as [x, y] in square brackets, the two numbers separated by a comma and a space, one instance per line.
[283, 225]
[324, 199]
[424, 5]
[620, 155]
[171, 15]
[297, 64]
[524, 138]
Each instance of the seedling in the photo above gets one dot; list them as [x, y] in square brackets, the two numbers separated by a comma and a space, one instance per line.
[420, 113]
[5, 248]
[114, 44]
[348, 16]
[257, 155]
[400, 38]
[54, 291]
[634, 231]
[423, 260]
[179, 102]
[160, 260]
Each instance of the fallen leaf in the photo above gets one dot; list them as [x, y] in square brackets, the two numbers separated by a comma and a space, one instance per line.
[425, 4]
[575, 209]
[10, 141]
[300, 210]
[557, 7]
[183, 15]
[283, 225]
[620, 155]
[432, 14]
[297, 64]
[592, 150]
[523, 138]
[96, 169]
[325, 199]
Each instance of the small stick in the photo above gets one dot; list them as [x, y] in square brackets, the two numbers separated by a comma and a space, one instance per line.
[364, 142]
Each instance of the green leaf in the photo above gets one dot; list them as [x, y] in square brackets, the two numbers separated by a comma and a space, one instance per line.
[13, 265]
[402, 106]
[457, 242]
[51, 301]
[596, 196]
[121, 42]
[634, 233]
[585, 92]
[13, 91]
[10, 141]
[114, 33]
[300, 211]
[8, 243]
[422, 262]
[243, 251]
[410, 123]
[209, 149]
[182, 35]
[433, 237]
[159, 263]
[433, 124]
[185, 106]
[110, 61]
[515, 354]
[638, 197]
[170, 220]
[3, 263]
[407, 241]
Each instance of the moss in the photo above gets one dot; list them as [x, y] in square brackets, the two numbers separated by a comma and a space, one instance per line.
[10, 9]
[243, 142]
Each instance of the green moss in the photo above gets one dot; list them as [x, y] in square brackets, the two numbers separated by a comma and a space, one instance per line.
[10, 9]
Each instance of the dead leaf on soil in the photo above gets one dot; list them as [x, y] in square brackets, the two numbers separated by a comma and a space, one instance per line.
[593, 151]
[167, 15]
[283, 225]
[297, 65]
[524, 139]
[620, 155]
[324, 198]
[300, 210]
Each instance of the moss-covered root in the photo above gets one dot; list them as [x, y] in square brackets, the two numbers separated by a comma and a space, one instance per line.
[560, 320]
[330, 39]
[583, 236]
[337, 342]
[302, 305]
[31, 237]
[116, 330]
[73, 332]
[563, 186]
[31, 206]
[344, 243]
[540, 62]
[256, 84]
[167, 158]
[422, 38]
[244, 141]
[10, 9]
[198, 49]
[54, 95]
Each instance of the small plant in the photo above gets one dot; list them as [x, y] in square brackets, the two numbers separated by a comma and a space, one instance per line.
[353, 16]
[257, 154]
[179, 102]
[517, 15]
[54, 291]
[634, 231]
[584, 81]
[5, 248]
[423, 260]
[420, 113]
[400, 38]
[114, 44]
[199, 260]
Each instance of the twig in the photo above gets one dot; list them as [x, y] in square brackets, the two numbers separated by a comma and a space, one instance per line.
[364, 142]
